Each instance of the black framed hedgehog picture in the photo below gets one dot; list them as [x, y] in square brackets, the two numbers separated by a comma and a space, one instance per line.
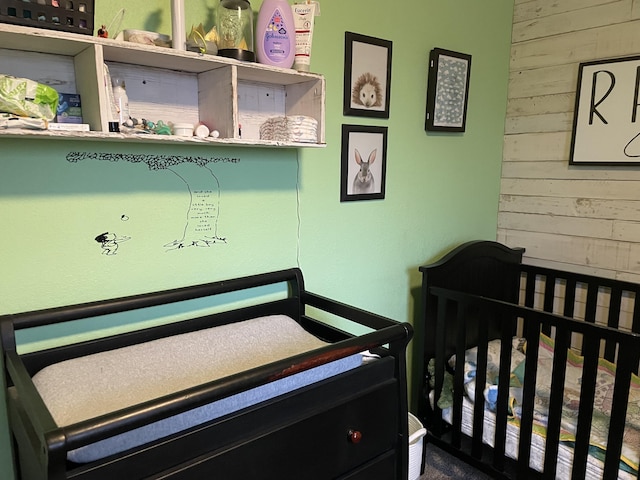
[367, 76]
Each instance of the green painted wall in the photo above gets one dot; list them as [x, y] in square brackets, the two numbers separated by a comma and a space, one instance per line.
[278, 208]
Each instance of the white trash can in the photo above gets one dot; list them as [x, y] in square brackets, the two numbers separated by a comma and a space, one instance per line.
[416, 435]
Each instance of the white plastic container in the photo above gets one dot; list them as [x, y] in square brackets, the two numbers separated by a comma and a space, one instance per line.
[276, 34]
[183, 129]
[201, 131]
[416, 440]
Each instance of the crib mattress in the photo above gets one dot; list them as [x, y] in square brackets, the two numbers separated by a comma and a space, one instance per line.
[86, 387]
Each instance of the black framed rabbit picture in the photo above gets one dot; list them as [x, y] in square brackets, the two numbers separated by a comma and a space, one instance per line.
[364, 162]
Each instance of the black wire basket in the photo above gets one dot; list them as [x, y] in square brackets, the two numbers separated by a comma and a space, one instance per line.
[64, 15]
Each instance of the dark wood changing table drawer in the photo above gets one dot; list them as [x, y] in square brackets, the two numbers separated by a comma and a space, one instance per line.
[324, 446]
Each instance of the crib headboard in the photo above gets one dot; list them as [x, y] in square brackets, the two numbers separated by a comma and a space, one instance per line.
[479, 267]
[484, 268]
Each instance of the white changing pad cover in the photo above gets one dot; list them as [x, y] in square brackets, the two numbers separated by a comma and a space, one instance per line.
[86, 387]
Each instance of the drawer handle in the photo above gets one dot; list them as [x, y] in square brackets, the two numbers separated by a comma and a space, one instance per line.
[354, 436]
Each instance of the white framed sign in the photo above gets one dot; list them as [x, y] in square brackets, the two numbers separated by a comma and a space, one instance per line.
[606, 124]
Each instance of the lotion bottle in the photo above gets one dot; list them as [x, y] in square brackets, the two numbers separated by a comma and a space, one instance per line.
[276, 34]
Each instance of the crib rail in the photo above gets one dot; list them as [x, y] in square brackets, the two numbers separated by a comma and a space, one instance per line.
[595, 300]
[463, 312]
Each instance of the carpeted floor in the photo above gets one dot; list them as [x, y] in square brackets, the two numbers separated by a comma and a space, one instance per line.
[440, 465]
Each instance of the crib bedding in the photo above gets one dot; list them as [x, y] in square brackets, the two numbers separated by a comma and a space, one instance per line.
[87, 387]
[602, 406]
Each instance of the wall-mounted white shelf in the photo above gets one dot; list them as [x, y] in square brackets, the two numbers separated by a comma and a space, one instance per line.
[230, 96]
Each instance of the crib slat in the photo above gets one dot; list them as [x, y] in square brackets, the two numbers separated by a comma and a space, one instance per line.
[478, 407]
[530, 289]
[549, 292]
[635, 327]
[592, 302]
[458, 381]
[555, 401]
[440, 365]
[532, 335]
[503, 392]
[569, 297]
[628, 356]
[569, 302]
[613, 321]
[590, 349]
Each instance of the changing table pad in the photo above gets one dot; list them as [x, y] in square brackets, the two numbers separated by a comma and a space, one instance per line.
[86, 387]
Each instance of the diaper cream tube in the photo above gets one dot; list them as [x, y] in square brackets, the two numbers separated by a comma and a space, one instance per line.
[303, 17]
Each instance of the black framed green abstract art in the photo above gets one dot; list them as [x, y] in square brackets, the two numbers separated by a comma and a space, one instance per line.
[447, 91]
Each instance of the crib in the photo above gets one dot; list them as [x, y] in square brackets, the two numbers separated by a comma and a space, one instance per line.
[326, 402]
[548, 387]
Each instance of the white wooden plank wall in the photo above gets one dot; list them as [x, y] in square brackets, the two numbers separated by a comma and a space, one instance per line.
[571, 217]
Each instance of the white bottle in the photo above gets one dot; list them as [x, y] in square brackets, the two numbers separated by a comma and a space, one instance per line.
[121, 100]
